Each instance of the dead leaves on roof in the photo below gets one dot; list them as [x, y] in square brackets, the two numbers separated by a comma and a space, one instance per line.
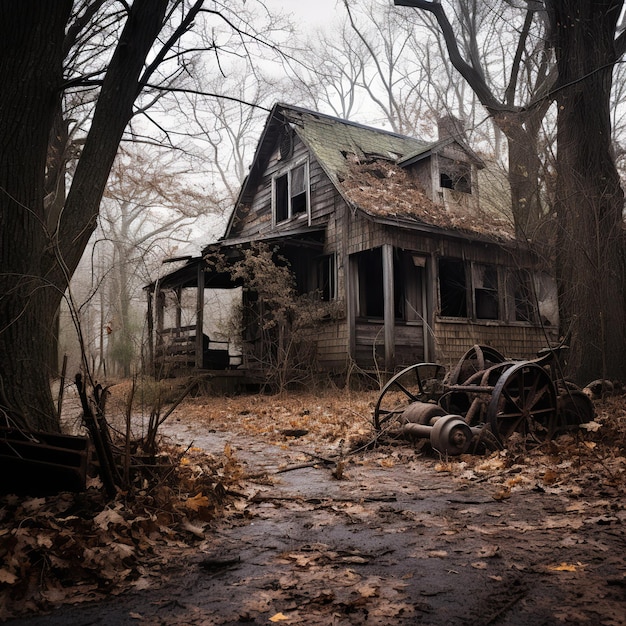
[384, 189]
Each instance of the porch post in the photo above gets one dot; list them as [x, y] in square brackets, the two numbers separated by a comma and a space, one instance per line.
[200, 316]
[388, 309]
[150, 319]
[351, 282]
[179, 309]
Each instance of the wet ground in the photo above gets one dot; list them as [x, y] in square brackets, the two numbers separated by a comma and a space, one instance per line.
[385, 540]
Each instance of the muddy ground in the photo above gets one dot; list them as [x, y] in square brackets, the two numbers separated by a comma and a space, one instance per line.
[392, 535]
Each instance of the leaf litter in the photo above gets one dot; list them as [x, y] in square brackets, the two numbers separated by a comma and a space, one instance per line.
[74, 548]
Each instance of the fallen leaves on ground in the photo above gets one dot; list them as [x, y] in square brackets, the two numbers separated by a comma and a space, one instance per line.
[72, 548]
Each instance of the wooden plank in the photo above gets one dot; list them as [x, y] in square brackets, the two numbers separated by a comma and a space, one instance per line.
[199, 317]
[388, 307]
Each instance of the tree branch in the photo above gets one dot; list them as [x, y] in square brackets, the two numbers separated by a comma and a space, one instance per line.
[472, 75]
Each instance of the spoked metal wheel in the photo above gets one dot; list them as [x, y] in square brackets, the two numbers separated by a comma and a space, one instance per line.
[523, 401]
[417, 383]
[472, 397]
[476, 359]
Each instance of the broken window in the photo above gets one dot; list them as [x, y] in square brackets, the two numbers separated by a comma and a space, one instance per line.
[547, 300]
[522, 296]
[452, 288]
[455, 175]
[371, 289]
[290, 193]
[485, 284]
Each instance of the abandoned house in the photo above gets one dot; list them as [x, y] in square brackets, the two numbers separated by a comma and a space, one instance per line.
[386, 228]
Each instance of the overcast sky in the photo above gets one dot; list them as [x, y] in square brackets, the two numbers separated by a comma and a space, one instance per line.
[316, 13]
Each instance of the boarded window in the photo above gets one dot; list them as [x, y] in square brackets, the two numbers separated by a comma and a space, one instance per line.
[452, 288]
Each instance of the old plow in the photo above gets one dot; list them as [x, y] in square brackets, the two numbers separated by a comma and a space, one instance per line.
[482, 402]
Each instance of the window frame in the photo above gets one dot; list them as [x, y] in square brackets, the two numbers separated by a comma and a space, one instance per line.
[288, 174]
[505, 297]
[370, 287]
[462, 290]
[485, 294]
[455, 175]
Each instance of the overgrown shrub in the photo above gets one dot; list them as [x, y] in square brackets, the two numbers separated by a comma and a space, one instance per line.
[277, 323]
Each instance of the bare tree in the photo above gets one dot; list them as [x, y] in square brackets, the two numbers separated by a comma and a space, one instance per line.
[585, 41]
[147, 210]
[514, 95]
[147, 44]
[589, 198]
[326, 72]
[226, 128]
[391, 79]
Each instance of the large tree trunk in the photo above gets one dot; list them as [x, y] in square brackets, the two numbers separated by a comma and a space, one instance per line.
[31, 73]
[40, 249]
[589, 199]
[524, 172]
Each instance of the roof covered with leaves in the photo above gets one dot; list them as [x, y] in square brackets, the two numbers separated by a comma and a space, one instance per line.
[387, 192]
[336, 143]
[367, 166]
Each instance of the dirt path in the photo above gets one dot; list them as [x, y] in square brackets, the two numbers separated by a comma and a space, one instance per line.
[393, 542]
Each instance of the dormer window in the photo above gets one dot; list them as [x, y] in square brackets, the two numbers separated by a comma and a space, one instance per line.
[290, 193]
[455, 175]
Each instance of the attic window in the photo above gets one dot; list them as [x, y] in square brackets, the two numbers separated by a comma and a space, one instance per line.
[455, 175]
[290, 193]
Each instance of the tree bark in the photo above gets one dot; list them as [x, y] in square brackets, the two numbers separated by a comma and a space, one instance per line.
[31, 74]
[589, 198]
[524, 170]
[39, 254]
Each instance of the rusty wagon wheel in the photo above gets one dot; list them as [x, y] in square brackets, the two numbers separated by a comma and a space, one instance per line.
[523, 401]
[417, 383]
[471, 397]
[476, 359]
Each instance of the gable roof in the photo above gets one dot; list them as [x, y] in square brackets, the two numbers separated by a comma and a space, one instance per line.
[330, 139]
[345, 149]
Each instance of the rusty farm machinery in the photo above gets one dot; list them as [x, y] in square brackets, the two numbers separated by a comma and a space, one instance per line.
[482, 402]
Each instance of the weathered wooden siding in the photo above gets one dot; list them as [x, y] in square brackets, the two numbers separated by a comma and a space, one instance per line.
[348, 232]
[514, 341]
[257, 220]
[332, 345]
[370, 346]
